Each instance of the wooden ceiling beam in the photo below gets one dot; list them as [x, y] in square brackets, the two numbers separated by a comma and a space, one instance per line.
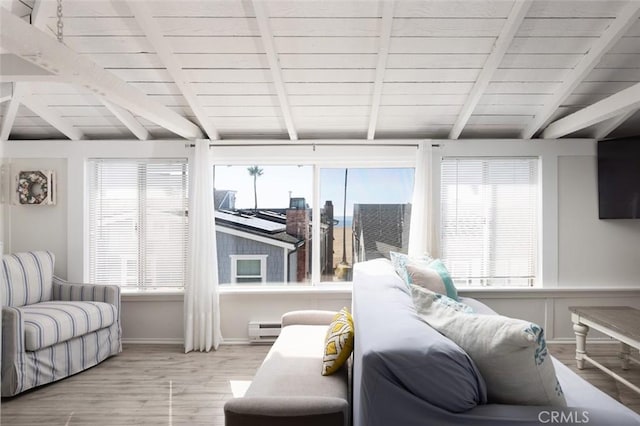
[12, 111]
[42, 10]
[6, 92]
[609, 126]
[14, 68]
[128, 120]
[39, 48]
[17, 72]
[22, 78]
[623, 102]
[381, 66]
[154, 35]
[627, 17]
[54, 119]
[262, 17]
[509, 30]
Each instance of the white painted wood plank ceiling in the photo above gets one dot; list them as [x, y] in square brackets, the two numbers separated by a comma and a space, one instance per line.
[293, 69]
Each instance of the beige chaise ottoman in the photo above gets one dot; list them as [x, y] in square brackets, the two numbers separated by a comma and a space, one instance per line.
[288, 388]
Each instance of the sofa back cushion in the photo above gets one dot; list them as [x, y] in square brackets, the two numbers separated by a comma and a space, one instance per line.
[26, 278]
[511, 353]
[399, 357]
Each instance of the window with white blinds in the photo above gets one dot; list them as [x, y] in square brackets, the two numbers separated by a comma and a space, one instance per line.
[138, 222]
[489, 220]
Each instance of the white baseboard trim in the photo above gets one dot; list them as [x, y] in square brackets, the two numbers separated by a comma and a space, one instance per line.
[178, 341]
[154, 341]
[235, 341]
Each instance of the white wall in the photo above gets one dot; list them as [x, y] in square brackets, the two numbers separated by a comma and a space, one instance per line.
[593, 252]
[237, 309]
[550, 308]
[158, 319]
[591, 258]
[38, 227]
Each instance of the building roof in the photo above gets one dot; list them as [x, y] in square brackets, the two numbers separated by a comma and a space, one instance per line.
[251, 224]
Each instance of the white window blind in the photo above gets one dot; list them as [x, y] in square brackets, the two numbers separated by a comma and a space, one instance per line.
[489, 220]
[137, 222]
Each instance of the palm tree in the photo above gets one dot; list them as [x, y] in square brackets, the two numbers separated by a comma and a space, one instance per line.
[255, 171]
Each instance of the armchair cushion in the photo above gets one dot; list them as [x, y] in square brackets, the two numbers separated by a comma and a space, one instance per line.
[26, 278]
[48, 323]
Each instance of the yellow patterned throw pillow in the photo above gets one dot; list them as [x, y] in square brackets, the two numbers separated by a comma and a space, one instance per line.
[338, 343]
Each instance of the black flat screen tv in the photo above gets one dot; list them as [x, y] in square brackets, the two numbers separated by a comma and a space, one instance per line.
[619, 178]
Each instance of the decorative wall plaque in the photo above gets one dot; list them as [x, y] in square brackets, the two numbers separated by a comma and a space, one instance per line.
[36, 187]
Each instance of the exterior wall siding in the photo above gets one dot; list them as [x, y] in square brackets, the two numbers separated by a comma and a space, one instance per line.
[293, 266]
[233, 244]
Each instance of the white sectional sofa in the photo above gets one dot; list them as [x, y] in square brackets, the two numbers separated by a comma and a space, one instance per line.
[406, 373]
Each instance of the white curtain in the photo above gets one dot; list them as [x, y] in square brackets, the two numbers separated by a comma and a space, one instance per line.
[201, 300]
[420, 238]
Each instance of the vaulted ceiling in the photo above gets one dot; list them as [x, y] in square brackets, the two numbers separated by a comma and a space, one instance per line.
[227, 69]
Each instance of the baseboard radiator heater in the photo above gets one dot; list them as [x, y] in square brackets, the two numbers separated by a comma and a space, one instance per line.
[263, 331]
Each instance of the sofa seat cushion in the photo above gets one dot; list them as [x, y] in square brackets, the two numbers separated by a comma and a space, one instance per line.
[292, 368]
[48, 323]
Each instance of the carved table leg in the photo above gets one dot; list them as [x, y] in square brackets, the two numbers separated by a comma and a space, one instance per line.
[581, 331]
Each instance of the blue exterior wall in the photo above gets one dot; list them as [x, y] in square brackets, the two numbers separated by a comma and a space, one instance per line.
[232, 244]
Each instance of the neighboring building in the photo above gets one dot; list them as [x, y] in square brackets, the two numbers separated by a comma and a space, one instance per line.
[378, 229]
[268, 245]
[255, 249]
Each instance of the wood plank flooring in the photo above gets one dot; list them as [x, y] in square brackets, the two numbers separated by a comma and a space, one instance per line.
[607, 355]
[144, 385]
[160, 385]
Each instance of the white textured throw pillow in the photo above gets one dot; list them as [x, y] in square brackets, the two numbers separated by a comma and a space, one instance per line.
[511, 354]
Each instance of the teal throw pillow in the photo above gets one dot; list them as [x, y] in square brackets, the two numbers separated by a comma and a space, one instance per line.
[433, 276]
[399, 262]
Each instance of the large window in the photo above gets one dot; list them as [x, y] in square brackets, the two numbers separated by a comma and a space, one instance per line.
[367, 212]
[489, 220]
[137, 222]
[263, 217]
[265, 221]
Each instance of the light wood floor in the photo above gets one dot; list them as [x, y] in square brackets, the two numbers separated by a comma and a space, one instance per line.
[144, 385]
[608, 356]
[160, 385]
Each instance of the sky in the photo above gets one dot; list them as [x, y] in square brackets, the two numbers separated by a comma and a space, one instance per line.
[376, 186]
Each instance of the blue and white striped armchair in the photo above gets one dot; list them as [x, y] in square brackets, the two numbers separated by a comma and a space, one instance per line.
[52, 329]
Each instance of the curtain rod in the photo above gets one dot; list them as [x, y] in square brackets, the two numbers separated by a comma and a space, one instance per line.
[220, 145]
